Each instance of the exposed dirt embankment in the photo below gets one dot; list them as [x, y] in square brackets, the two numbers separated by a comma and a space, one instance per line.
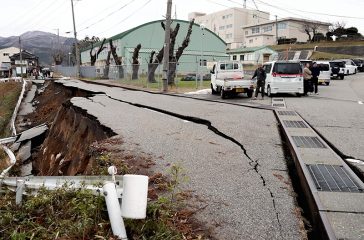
[65, 150]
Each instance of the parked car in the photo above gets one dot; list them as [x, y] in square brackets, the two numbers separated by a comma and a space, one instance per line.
[189, 77]
[350, 67]
[325, 72]
[360, 63]
[337, 69]
[283, 77]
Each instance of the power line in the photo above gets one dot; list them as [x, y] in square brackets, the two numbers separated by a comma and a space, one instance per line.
[145, 4]
[316, 13]
[107, 16]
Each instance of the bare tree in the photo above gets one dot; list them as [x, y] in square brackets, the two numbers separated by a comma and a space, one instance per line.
[117, 60]
[94, 57]
[136, 61]
[173, 58]
[173, 64]
[107, 65]
[306, 28]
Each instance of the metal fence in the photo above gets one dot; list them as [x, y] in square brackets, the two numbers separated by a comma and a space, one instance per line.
[145, 75]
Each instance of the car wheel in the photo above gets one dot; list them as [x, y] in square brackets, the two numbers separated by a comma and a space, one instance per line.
[327, 83]
[223, 94]
[213, 90]
[269, 92]
[347, 72]
[342, 77]
[250, 94]
[355, 71]
[298, 94]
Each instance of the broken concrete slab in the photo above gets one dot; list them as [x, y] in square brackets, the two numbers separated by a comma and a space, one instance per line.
[24, 152]
[32, 133]
[26, 169]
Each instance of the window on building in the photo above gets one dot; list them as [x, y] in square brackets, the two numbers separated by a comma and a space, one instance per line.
[6, 54]
[203, 62]
[241, 57]
[282, 25]
[267, 28]
[229, 66]
[223, 17]
[251, 41]
[234, 57]
[229, 26]
[229, 15]
[229, 35]
[246, 32]
[255, 30]
[221, 27]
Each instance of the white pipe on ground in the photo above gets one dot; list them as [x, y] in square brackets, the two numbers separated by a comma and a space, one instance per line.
[113, 208]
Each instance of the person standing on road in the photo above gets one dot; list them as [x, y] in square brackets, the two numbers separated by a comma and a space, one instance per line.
[315, 73]
[307, 75]
[261, 76]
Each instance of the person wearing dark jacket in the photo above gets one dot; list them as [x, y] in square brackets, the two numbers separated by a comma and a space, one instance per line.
[261, 76]
[315, 74]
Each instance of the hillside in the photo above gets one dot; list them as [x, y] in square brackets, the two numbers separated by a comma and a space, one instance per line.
[42, 44]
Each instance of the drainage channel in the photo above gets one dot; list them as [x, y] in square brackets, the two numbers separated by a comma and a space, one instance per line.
[333, 192]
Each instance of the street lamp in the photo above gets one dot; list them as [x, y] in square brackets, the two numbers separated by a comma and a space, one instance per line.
[202, 27]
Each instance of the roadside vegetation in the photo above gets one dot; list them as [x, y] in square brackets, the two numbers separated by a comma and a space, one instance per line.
[9, 93]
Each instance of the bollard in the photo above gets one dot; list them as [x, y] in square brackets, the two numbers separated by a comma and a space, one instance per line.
[113, 208]
[20, 184]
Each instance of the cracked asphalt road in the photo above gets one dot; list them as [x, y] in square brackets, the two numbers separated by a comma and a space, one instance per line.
[232, 154]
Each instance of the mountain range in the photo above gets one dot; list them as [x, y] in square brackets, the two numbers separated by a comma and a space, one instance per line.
[41, 44]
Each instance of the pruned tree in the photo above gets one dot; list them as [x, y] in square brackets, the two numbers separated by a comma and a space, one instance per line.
[173, 58]
[136, 61]
[117, 60]
[107, 65]
[311, 29]
[179, 52]
[94, 56]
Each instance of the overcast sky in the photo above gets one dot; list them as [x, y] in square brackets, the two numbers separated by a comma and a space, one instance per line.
[105, 18]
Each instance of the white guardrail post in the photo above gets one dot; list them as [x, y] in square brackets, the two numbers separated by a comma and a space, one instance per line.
[133, 193]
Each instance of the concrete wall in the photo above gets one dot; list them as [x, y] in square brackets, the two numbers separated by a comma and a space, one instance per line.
[8, 52]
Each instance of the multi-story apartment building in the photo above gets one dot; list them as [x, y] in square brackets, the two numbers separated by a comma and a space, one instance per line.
[228, 23]
[267, 33]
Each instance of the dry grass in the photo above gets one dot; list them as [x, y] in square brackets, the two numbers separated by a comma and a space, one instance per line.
[312, 45]
[330, 56]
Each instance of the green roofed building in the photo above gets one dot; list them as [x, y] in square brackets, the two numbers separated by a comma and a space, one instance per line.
[204, 45]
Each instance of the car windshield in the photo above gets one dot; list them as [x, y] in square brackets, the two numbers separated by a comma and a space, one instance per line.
[337, 64]
[229, 66]
[323, 66]
[287, 68]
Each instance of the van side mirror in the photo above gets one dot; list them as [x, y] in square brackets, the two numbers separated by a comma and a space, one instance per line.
[212, 72]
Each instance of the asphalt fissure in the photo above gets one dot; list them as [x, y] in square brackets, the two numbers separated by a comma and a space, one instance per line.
[253, 163]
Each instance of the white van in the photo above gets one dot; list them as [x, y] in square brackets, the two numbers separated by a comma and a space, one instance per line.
[350, 67]
[283, 77]
[325, 72]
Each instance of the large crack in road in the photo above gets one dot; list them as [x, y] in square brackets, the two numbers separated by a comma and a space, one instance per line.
[253, 163]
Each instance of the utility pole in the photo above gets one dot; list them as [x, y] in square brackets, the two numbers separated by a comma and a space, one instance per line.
[167, 40]
[276, 30]
[21, 60]
[76, 43]
[244, 4]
